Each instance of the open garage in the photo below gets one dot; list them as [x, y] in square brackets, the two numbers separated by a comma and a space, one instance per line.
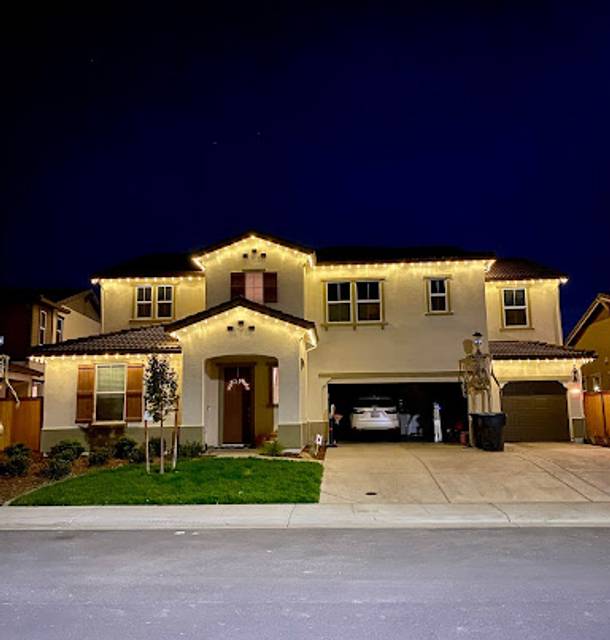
[410, 398]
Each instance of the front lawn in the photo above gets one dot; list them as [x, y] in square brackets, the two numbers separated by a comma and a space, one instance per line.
[199, 481]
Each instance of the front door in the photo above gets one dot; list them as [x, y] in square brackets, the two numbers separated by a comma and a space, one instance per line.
[238, 405]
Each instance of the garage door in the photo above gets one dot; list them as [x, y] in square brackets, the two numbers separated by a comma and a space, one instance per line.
[535, 411]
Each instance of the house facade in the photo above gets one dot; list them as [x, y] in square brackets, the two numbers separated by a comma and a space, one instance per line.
[266, 335]
[30, 319]
[592, 332]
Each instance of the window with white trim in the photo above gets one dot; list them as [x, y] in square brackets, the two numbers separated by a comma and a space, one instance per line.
[438, 295]
[59, 329]
[165, 301]
[144, 307]
[110, 380]
[368, 301]
[339, 302]
[515, 310]
[42, 326]
[255, 288]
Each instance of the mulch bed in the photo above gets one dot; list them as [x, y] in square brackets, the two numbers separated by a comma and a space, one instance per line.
[12, 487]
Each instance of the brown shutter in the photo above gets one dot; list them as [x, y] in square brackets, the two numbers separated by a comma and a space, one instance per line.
[238, 285]
[84, 393]
[133, 400]
[269, 286]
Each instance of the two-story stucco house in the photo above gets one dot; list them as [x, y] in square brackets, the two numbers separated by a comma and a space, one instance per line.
[266, 335]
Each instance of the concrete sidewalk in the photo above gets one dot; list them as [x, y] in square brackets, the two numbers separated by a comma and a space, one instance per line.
[306, 516]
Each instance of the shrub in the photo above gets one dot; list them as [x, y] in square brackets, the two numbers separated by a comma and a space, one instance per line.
[137, 455]
[98, 457]
[68, 450]
[272, 448]
[154, 446]
[18, 460]
[190, 450]
[124, 447]
[15, 466]
[57, 468]
[17, 450]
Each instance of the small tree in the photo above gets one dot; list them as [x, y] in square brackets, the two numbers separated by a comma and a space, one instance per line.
[160, 397]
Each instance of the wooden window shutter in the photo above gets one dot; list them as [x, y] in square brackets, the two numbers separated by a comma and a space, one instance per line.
[84, 393]
[134, 400]
[238, 285]
[270, 286]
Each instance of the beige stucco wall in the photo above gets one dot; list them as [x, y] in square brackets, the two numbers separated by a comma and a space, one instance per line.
[207, 340]
[78, 325]
[61, 377]
[118, 301]
[544, 312]
[288, 264]
[412, 343]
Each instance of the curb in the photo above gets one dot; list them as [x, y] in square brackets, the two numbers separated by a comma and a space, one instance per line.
[306, 516]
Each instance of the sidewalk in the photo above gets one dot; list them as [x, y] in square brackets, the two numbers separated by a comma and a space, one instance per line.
[306, 516]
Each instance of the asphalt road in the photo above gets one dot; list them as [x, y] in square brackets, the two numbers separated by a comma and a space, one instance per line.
[314, 584]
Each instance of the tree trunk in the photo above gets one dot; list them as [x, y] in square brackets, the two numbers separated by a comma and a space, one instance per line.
[162, 450]
[146, 452]
[176, 441]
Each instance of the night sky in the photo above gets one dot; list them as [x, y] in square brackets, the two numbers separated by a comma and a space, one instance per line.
[485, 126]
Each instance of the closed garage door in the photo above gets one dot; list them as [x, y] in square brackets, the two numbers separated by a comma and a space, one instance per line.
[535, 411]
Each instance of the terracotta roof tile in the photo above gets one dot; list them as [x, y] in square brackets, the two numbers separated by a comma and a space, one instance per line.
[142, 340]
[534, 350]
[522, 269]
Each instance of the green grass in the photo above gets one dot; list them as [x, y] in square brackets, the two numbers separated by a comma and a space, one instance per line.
[203, 481]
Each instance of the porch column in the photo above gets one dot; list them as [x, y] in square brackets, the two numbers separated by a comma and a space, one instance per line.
[290, 426]
[576, 409]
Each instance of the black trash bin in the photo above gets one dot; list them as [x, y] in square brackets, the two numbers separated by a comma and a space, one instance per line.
[488, 430]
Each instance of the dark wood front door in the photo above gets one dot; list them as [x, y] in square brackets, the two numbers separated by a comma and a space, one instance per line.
[238, 413]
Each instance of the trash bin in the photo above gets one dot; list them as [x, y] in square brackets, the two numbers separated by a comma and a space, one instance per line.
[488, 430]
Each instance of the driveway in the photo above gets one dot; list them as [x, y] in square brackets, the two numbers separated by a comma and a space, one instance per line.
[421, 473]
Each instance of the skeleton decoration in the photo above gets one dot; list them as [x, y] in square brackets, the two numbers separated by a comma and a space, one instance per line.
[476, 372]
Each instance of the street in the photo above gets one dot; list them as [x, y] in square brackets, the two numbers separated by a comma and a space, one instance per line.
[489, 583]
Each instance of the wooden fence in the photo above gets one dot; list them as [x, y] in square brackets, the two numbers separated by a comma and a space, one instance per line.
[21, 423]
[597, 412]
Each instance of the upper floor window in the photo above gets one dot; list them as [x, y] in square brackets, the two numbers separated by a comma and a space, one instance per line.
[144, 305]
[339, 301]
[165, 301]
[368, 301]
[438, 295]
[42, 327]
[59, 329]
[258, 286]
[110, 393]
[515, 307]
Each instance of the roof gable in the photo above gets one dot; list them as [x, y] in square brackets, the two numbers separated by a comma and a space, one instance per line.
[252, 235]
[246, 304]
[600, 304]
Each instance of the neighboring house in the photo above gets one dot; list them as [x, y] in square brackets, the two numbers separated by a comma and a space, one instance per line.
[29, 319]
[266, 334]
[592, 331]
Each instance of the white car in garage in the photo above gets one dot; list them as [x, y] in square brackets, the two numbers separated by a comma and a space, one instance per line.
[375, 413]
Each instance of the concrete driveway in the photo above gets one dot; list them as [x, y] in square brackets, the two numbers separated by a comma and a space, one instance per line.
[421, 473]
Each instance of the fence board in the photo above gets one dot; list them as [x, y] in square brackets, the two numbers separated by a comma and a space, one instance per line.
[597, 413]
[22, 423]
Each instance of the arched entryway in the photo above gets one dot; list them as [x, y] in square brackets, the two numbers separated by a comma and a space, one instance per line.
[246, 399]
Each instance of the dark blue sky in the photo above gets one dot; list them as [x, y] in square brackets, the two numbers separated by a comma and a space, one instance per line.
[485, 125]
